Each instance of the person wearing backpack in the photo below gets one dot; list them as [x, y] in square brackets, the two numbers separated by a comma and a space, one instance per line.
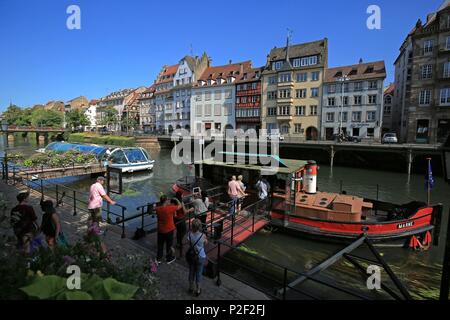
[24, 222]
[51, 226]
[196, 256]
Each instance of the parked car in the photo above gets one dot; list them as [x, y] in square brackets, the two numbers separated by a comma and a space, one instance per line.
[390, 137]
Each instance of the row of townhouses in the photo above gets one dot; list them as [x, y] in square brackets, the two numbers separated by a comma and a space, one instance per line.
[297, 93]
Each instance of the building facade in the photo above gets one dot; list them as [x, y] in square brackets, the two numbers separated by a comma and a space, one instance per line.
[390, 116]
[147, 110]
[292, 89]
[116, 100]
[213, 99]
[164, 97]
[248, 100]
[353, 101]
[91, 114]
[422, 73]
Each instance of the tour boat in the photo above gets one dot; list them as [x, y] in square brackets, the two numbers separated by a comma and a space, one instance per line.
[130, 159]
[297, 206]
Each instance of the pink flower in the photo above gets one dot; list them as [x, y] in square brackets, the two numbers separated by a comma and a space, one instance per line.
[153, 266]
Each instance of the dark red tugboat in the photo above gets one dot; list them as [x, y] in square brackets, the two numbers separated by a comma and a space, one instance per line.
[297, 206]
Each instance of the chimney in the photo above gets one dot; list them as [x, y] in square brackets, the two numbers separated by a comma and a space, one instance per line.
[242, 68]
[360, 61]
[230, 61]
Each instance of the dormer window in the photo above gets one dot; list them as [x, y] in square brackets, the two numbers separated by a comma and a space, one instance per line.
[277, 65]
[338, 74]
[244, 76]
[231, 79]
[369, 69]
[353, 72]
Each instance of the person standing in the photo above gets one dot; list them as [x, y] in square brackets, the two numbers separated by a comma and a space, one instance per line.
[234, 190]
[51, 226]
[96, 196]
[263, 188]
[166, 212]
[200, 209]
[241, 194]
[23, 221]
[197, 241]
[180, 222]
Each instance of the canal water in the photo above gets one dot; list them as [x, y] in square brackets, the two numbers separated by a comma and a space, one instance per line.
[420, 271]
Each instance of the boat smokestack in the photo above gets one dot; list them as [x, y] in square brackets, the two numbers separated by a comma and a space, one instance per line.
[310, 178]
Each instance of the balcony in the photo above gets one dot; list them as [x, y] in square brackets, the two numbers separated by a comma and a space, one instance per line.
[285, 100]
[284, 117]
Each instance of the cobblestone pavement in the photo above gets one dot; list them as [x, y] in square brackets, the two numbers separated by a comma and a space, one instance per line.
[172, 278]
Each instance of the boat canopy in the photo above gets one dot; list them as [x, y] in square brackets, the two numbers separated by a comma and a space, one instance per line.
[99, 151]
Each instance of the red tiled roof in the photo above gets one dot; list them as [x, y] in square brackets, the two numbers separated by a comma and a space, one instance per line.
[235, 69]
[390, 89]
[251, 75]
[356, 71]
[93, 102]
[168, 71]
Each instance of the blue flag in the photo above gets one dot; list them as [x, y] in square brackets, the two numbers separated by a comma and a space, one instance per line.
[429, 178]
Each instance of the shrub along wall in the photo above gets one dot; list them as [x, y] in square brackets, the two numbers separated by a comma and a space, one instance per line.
[102, 139]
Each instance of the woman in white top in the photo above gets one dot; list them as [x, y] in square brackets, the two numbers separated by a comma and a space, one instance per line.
[197, 240]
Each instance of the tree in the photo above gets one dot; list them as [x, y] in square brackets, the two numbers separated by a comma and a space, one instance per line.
[17, 116]
[76, 119]
[46, 118]
[109, 116]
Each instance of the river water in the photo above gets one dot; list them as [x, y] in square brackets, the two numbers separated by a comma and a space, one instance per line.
[419, 271]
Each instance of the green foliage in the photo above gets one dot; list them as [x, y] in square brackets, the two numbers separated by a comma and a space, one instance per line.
[46, 118]
[93, 287]
[15, 157]
[17, 116]
[109, 116]
[76, 118]
[102, 139]
[58, 160]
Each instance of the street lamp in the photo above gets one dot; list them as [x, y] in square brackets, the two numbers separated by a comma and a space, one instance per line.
[5, 144]
[342, 80]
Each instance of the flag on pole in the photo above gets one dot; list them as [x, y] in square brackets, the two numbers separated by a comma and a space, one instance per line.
[429, 177]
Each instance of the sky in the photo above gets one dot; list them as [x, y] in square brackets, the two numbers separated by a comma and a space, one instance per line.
[124, 44]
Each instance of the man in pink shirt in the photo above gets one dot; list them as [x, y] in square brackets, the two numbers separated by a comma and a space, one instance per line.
[96, 196]
[234, 189]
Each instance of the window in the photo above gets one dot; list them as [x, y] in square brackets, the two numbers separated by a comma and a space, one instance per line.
[331, 88]
[372, 99]
[313, 110]
[208, 110]
[298, 128]
[271, 95]
[331, 102]
[198, 96]
[285, 129]
[445, 96]
[330, 117]
[370, 132]
[387, 100]
[345, 101]
[284, 110]
[315, 76]
[277, 65]
[217, 95]
[357, 86]
[228, 109]
[284, 94]
[198, 110]
[387, 110]
[314, 92]
[300, 93]
[357, 100]
[300, 110]
[428, 46]
[254, 86]
[427, 71]
[371, 116]
[285, 77]
[373, 85]
[447, 70]
[296, 63]
[425, 97]
[356, 116]
[217, 110]
[447, 42]
[273, 80]
[302, 77]
[344, 116]
[271, 111]
[207, 95]
[228, 94]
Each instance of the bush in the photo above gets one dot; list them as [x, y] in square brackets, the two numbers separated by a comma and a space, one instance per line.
[57, 160]
[102, 139]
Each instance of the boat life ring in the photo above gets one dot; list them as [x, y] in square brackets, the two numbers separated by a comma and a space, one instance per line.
[415, 243]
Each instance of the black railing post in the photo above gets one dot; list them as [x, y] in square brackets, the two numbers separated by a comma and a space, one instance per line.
[253, 220]
[142, 217]
[74, 203]
[123, 222]
[232, 230]
[341, 186]
[42, 188]
[14, 175]
[284, 283]
[218, 282]
[445, 278]
[57, 196]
